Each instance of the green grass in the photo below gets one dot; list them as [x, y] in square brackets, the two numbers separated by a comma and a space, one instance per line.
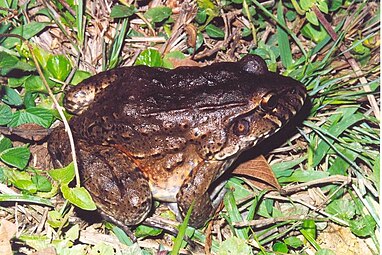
[329, 169]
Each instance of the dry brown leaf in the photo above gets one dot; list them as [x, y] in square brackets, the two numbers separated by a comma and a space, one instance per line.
[191, 32]
[183, 62]
[7, 231]
[259, 173]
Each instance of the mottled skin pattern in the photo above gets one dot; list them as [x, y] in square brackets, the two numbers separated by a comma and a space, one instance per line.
[144, 133]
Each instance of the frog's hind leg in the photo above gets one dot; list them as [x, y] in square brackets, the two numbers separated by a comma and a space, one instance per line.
[118, 187]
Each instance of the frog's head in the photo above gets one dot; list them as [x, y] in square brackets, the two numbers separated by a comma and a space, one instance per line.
[273, 101]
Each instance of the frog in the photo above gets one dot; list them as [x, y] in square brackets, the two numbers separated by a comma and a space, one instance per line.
[145, 134]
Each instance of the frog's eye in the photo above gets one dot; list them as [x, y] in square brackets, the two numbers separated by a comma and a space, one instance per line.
[241, 127]
[269, 101]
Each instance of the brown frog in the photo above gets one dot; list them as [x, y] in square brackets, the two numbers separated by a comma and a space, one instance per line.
[152, 133]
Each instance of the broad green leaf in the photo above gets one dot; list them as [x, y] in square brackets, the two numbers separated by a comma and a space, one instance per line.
[235, 246]
[59, 66]
[39, 116]
[122, 11]
[158, 14]
[149, 57]
[26, 31]
[293, 242]
[42, 183]
[312, 18]
[363, 226]
[119, 233]
[323, 6]
[79, 76]
[280, 247]
[79, 196]
[10, 96]
[143, 231]
[55, 219]
[17, 157]
[5, 143]
[214, 31]
[317, 35]
[21, 179]
[9, 62]
[63, 175]
[73, 233]
[306, 4]
[310, 227]
[34, 84]
[5, 114]
[342, 208]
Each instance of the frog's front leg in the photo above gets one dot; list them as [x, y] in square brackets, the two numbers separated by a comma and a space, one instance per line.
[116, 184]
[195, 189]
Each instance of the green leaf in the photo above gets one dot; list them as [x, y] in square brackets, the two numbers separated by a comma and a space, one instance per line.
[342, 208]
[293, 242]
[79, 76]
[21, 179]
[158, 14]
[79, 196]
[310, 228]
[26, 31]
[42, 183]
[363, 226]
[39, 116]
[122, 11]
[182, 232]
[5, 143]
[303, 176]
[55, 219]
[312, 18]
[5, 114]
[59, 66]
[63, 175]
[214, 31]
[17, 157]
[34, 84]
[11, 96]
[306, 4]
[317, 35]
[143, 231]
[323, 6]
[119, 233]
[9, 62]
[234, 214]
[234, 246]
[280, 247]
[282, 39]
[24, 198]
[149, 57]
